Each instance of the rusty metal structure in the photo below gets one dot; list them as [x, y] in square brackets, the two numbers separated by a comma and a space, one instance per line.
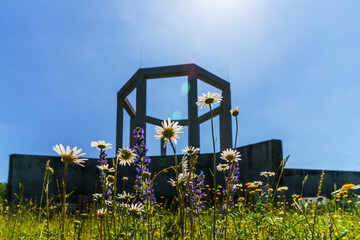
[139, 118]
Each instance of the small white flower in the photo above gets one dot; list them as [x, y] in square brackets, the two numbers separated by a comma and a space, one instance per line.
[257, 183]
[97, 196]
[169, 131]
[267, 174]
[222, 167]
[184, 164]
[70, 155]
[134, 208]
[282, 189]
[190, 150]
[101, 212]
[208, 99]
[230, 155]
[101, 145]
[108, 202]
[237, 186]
[105, 168]
[234, 111]
[182, 179]
[126, 156]
[126, 195]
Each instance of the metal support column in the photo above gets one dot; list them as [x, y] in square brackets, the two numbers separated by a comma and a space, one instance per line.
[119, 123]
[225, 121]
[140, 119]
[194, 130]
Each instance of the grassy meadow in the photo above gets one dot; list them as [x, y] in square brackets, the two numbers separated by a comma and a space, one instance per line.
[254, 210]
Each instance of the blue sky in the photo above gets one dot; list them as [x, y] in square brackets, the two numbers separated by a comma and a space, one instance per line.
[293, 66]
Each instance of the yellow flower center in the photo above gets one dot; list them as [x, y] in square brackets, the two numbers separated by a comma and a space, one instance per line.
[133, 210]
[125, 155]
[68, 158]
[168, 133]
[230, 157]
[190, 151]
[101, 146]
[209, 101]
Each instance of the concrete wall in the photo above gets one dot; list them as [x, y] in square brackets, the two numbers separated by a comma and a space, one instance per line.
[29, 170]
[293, 178]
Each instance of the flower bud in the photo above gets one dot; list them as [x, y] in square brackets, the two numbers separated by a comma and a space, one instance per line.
[146, 175]
[234, 111]
[49, 171]
[110, 179]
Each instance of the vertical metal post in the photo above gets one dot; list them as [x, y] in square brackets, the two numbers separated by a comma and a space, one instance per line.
[225, 120]
[119, 123]
[163, 149]
[140, 118]
[132, 127]
[194, 130]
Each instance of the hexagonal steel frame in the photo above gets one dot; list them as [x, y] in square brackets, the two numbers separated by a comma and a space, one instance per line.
[138, 117]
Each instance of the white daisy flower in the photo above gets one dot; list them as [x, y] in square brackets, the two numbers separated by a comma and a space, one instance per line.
[169, 131]
[182, 179]
[222, 167]
[234, 111]
[237, 186]
[126, 156]
[70, 155]
[208, 99]
[184, 164]
[125, 195]
[101, 145]
[101, 212]
[135, 207]
[282, 189]
[108, 202]
[105, 168]
[230, 155]
[190, 150]
[254, 184]
[267, 174]
[97, 196]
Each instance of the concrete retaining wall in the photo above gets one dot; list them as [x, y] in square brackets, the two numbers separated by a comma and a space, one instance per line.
[293, 178]
[29, 171]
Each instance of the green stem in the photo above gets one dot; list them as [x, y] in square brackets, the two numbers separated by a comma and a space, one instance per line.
[47, 209]
[42, 191]
[214, 171]
[181, 210]
[64, 203]
[114, 196]
[236, 133]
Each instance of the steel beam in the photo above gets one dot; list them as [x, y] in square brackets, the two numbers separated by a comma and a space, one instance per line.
[225, 121]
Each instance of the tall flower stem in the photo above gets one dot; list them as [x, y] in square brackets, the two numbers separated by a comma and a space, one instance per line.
[42, 191]
[181, 210]
[103, 180]
[64, 202]
[236, 133]
[214, 171]
[47, 207]
[114, 195]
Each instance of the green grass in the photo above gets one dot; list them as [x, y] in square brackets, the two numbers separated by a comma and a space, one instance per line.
[252, 217]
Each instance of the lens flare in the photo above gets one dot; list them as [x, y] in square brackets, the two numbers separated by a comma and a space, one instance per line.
[176, 115]
[185, 88]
